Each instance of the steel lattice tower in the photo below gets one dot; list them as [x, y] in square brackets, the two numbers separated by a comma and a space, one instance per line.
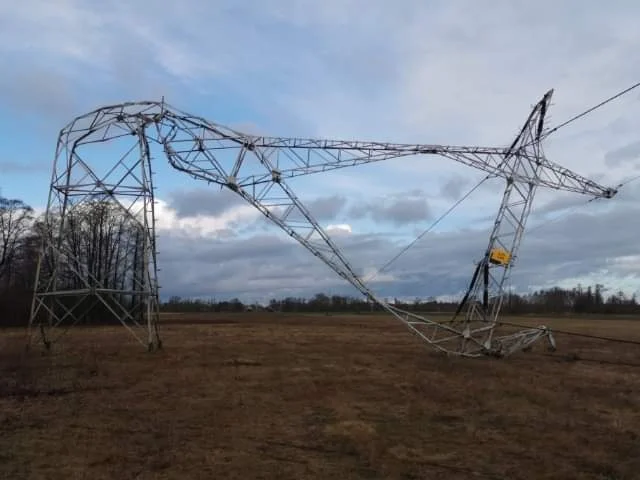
[124, 282]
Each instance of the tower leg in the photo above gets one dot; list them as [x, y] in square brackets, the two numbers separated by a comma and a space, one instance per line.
[485, 295]
[98, 256]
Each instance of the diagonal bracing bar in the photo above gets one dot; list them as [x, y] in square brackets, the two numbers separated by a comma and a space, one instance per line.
[256, 168]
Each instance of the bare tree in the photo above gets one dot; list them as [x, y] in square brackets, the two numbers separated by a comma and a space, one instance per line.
[15, 221]
[101, 247]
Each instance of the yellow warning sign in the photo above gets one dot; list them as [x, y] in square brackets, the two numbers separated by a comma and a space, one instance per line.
[499, 256]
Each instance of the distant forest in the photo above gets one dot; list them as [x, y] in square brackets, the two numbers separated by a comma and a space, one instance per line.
[578, 301]
[107, 246]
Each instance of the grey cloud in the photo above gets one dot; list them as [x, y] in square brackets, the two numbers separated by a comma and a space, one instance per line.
[403, 211]
[272, 265]
[265, 264]
[408, 86]
[208, 201]
[560, 202]
[396, 210]
[624, 154]
[441, 264]
[258, 247]
[85, 57]
[580, 245]
[41, 91]
[452, 188]
[326, 208]
[203, 201]
[130, 62]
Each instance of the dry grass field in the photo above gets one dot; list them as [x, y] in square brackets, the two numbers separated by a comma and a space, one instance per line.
[270, 396]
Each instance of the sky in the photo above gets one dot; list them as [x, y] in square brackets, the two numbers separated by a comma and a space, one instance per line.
[457, 72]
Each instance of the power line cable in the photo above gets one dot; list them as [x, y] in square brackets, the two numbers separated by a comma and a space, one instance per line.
[431, 227]
[560, 217]
[534, 228]
[553, 130]
[575, 334]
[579, 206]
[573, 119]
[589, 110]
[627, 182]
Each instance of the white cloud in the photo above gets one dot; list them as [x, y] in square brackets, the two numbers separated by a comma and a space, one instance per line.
[167, 220]
[339, 229]
[372, 275]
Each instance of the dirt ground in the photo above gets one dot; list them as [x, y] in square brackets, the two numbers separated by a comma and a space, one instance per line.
[271, 396]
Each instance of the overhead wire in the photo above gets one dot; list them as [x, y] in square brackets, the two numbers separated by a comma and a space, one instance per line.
[561, 216]
[571, 120]
[580, 205]
[431, 227]
[564, 332]
[575, 334]
[549, 132]
[455, 205]
[628, 181]
[591, 109]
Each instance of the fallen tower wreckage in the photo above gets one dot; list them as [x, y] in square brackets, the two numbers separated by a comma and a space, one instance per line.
[257, 168]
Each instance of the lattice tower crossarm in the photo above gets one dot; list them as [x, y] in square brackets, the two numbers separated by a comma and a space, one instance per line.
[254, 167]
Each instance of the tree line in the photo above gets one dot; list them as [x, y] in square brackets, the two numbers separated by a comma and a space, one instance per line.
[552, 301]
[99, 246]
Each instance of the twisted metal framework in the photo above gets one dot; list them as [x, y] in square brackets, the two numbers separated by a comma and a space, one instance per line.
[256, 168]
[485, 294]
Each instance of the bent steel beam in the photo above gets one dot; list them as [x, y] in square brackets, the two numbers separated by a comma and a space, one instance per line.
[122, 277]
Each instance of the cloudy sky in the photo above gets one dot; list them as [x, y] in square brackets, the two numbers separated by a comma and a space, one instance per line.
[448, 72]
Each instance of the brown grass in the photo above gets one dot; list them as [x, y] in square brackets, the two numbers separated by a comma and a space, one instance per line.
[258, 396]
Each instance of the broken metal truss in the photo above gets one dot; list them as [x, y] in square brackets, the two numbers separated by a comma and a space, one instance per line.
[256, 168]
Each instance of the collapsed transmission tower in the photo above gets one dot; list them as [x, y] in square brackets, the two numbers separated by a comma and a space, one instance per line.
[71, 279]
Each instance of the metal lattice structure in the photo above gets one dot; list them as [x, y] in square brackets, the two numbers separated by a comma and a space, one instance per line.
[257, 168]
[483, 299]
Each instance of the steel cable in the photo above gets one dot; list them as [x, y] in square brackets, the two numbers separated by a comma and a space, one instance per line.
[431, 227]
